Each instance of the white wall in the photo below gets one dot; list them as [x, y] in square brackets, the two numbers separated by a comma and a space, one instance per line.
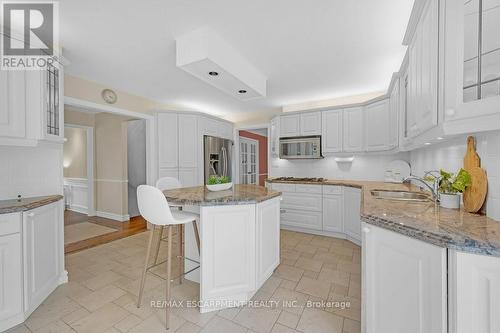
[31, 171]
[449, 156]
[366, 167]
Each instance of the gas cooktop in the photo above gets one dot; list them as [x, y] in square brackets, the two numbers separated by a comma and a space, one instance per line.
[295, 179]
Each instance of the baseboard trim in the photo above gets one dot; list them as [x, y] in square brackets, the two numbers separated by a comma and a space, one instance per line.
[78, 209]
[113, 216]
[322, 233]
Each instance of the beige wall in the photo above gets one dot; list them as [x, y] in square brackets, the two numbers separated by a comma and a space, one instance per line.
[75, 152]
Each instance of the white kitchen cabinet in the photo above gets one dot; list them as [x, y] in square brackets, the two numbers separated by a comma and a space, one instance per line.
[301, 201]
[268, 239]
[226, 130]
[52, 103]
[394, 109]
[42, 241]
[333, 213]
[188, 177]
[474, 293]
[290, 125]
[168, 140]
[12, 104]
[332, 131]
[378, 126]
[423, 71]
[301, 218]
[353, 119]
[275, 137]
[188, 143]
[352, 213]
[168, 172]
[310, 123]
[209, 126]
[404, 284]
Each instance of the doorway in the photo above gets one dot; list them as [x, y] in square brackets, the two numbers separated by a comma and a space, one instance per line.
[252, 152]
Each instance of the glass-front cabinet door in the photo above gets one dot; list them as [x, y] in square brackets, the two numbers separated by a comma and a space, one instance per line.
[52, 103]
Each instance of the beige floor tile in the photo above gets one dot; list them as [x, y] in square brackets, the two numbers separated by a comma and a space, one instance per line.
[290, 254]
[349, 267]
[75, 315]
[290, 300]
[278, 328]
[306, 248]
[325, 258]
[55, 327]
[334, 276]
[354, 290]
[71, 289]
[289, 272]
[351, 326]
[289, 262]
[311, 274]
[313, 287]
[338, 289]
[98, 298]
[288, 319]
[193, 315]
[19, 329]
[127, 323]
[321, 241]
[101, 280]
[220, 325]
[100, 320]
[271, 284]
[50, 311]
[188, 327]
[352, 311]
[156, 324]
[318, 321]
[229, 313]
[258, 319]
[309, 264]
[288, 284]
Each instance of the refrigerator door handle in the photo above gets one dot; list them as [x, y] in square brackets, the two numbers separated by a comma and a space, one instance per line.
[224, 159]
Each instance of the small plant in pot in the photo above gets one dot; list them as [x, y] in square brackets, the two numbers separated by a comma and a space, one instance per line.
[450, 187]
[219, 183]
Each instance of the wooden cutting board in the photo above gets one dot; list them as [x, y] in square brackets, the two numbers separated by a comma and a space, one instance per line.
[474, 195]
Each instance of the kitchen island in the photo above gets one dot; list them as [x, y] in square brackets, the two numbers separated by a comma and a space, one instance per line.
[239, 233]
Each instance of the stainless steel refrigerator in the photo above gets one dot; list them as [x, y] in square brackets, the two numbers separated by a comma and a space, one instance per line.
[217, 154]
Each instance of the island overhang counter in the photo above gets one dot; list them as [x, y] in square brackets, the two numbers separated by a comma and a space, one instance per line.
[239, 233]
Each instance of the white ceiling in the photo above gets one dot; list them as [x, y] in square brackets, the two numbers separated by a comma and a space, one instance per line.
[309, 50]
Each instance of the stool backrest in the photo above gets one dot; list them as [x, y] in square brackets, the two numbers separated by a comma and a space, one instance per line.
[153, 205]
[168, 183]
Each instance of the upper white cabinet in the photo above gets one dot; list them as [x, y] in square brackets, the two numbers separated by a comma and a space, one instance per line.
[12, 104]
[168, 140]
[404, 284]
[353, 119]
[394, 107]
[275, 137]
[378, 122]
[310, 123]
[332, 131]
[188, 143]
[214, 127]
[422, 91]
[290, 125]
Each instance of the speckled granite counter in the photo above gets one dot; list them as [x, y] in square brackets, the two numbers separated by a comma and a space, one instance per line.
[15, 205]
[238, 195]
[454, 229]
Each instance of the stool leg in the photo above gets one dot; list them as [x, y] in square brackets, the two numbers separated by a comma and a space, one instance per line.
[196, 235]
[169, 266]
[158, 244]
[181, 252]
[148, 253]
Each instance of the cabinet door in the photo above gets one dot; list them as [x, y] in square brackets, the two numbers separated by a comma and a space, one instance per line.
[352, 212]
[394, 116]
[353, 129]
[290, 125]
[475, 293]
[209, 126]
[404, 284]
[167, 140]
[301, 201]
[188, 177]
[310, 123]
[225, 130]
[12, 104]
[301, 218]
[168, 172]
[187, 141]
[333, 213]
[332, 127]
[11, 278]
[275, 137]
[378, 123]
[52, 100]
[268, 239]
[43, 246]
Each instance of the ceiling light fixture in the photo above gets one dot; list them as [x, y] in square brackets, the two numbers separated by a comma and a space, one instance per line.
[242, 91]
[213, 73]
[440, 138]
[427, 143]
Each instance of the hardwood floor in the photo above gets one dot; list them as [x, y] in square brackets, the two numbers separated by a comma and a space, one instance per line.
[123, 229]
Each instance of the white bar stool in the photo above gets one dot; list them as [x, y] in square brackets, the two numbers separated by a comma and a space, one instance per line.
[154, 207]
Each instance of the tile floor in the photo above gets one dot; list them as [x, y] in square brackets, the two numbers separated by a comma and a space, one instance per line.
[103, 285]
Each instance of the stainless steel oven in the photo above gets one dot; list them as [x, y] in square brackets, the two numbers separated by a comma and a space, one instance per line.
[302, 147]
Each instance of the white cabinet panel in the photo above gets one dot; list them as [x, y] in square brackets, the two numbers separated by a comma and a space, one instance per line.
[11, 287]
[475, 293]
[378, 124]
[275, 137]
[209, 126]
[304, 188]
[225, 130]
[290, 125]
[301, 201]
[168, 172]
[310, 123]
[333, 213]
[332, 131]
[188, 177]
[404, 284]
[353, 129]
[12, 104]
[268, 239]
[394, 116]
[301, 218]
[280, 187]
[188, 141]
[332, 189]
[352, 212]
[167, 140]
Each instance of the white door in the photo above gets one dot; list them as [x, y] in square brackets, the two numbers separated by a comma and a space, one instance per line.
[332, 131]
[404, 284]
[353, 129]
[249, 161]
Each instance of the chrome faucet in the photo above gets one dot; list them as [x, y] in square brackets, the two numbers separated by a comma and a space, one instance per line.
[433, 189]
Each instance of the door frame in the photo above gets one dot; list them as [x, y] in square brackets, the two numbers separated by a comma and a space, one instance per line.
[257, 161]
[90, 166]
[236, 136]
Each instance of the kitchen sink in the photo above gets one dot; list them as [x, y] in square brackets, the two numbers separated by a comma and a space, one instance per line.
[401, 195]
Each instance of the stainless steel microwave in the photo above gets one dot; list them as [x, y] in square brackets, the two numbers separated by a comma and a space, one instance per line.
[302, 147]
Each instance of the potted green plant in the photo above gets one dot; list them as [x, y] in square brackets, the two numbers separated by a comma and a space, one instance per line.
[450, 187]
[219, 183]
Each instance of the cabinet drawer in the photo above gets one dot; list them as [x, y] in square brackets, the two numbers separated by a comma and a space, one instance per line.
[284, 187]
[303, 219]
[332, 189]
[301, 201]
[10, 223]
[308, 188]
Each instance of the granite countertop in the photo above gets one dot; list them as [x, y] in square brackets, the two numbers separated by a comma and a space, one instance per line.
[237, 195]
[15, 205]
[426, 221]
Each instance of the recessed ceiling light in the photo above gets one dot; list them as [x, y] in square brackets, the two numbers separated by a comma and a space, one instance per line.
[440, 138]
[213, 73]
[242, 91]
[427, 143]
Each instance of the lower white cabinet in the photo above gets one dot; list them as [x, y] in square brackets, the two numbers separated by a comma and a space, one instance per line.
[404, 284]
[332, 132]
[11, 288]
[352, 213]
[333, 217]
[268, 239]
[301, 219]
